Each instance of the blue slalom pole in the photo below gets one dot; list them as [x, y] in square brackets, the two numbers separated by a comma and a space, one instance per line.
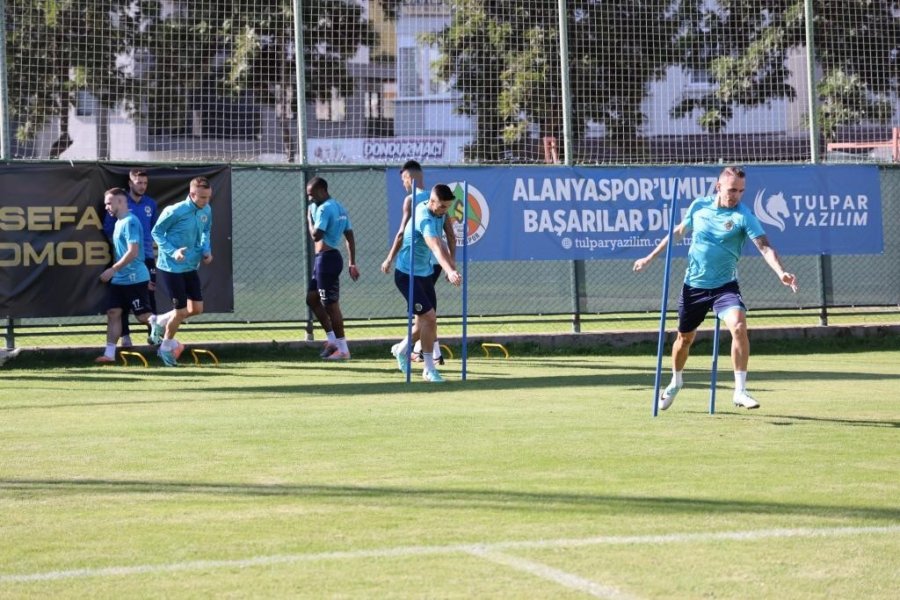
[412, 264]
[715, 368]
[465, 281]
[661, 343]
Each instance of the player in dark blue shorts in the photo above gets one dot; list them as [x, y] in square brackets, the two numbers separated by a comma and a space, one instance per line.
[720, 225]
[329, 224]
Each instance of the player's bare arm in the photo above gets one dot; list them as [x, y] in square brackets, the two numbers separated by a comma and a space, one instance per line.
[439, 249]
[774, 261]
[351, 253]
[398, 239]
[640, 263]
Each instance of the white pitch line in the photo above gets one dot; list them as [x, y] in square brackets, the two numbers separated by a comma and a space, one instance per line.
[403, 551]
[597, 590]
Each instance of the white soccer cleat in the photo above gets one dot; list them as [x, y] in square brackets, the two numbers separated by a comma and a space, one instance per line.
[667, 397]
[744, 400]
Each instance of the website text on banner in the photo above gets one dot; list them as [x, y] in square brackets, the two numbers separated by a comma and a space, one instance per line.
[557, 213]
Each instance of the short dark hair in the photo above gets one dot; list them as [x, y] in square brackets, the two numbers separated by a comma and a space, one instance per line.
[200, 182]
[443, 192]
[137, 173]
[411, 165]
[733, 171]
[116, 191]
[318, 182]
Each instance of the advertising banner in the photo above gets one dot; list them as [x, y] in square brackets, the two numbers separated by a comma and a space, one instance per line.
[583, 213]
[52, 245]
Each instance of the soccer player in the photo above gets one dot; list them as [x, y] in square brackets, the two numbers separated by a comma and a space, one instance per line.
[425, 242]
[128, 275]
[328, 223]
[720, 225]
[182, 235]
[144, 208]
[413, 178]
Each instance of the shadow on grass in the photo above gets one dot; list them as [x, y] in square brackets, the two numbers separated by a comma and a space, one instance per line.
[457, 498]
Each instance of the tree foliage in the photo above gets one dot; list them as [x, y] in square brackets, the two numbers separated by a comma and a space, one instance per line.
[744, 46]
[131, 52]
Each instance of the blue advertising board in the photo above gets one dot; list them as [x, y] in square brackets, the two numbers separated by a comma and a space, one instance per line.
[590, 213]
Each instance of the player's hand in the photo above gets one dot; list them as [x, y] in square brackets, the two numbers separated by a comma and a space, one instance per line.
[386, 266]
[207, 259]
[107, 275]
[354, 272]
[790, 280]
[454, 277]
[640, 263]
[178, 255]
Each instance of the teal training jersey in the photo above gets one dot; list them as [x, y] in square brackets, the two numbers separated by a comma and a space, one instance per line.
[183, 225]
[717, 238]
[427, 225]
[128, 230]
[332, 219]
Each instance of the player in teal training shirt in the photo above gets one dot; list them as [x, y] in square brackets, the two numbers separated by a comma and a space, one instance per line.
[720, 226]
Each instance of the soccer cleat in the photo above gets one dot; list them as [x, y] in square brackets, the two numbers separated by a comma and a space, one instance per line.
[104, 360]
[432, 376]
[157, 332]
[415, 356]
[667, 397]
[337, 355]
[402, 362]
[178, 350]
[745, 400]
[126, 345]
[328, 350]
[439, 360]
[168, 357]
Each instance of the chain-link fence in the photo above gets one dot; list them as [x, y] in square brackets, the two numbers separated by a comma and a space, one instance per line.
[347, 89]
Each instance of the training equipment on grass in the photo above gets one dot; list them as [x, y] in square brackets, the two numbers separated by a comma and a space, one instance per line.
[715, 367]
[124, 354]
[501, 347]
[412, 270]
[465, 281]
[661, 342]
[198, 352]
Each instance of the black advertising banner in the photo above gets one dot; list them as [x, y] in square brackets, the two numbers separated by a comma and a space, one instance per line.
[52, 246]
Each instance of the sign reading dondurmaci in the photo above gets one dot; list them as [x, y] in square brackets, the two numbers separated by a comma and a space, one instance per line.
[52, 245]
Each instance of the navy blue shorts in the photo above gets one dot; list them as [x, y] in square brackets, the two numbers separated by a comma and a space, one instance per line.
[182, 287]
[437, 273]
[133, 297]
[424, 296]
[326, 276]
[694, 303]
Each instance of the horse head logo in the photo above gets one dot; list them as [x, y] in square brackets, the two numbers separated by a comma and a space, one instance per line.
[772, 211]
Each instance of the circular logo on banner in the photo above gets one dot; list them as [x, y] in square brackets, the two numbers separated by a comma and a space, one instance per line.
[473, 208]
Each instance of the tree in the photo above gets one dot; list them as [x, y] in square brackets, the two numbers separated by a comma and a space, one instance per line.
[58, 47]
[159, 59]
[744, 46]
[502, 56]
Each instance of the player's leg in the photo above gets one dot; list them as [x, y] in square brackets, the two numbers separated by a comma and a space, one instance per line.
[151, 297]
[113, 326]
[693, 304]
[729, 307]
[329, 280]
[176, 284]
[425, 300]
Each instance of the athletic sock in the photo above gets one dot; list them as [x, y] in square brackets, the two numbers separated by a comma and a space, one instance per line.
[437, 349]
[329, 335]
[740, 381]
[126, 340]
[110, 351]
[428, 357]
[342, 345]
[678, 378]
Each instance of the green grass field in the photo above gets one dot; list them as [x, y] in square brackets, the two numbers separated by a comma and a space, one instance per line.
[538, 477]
